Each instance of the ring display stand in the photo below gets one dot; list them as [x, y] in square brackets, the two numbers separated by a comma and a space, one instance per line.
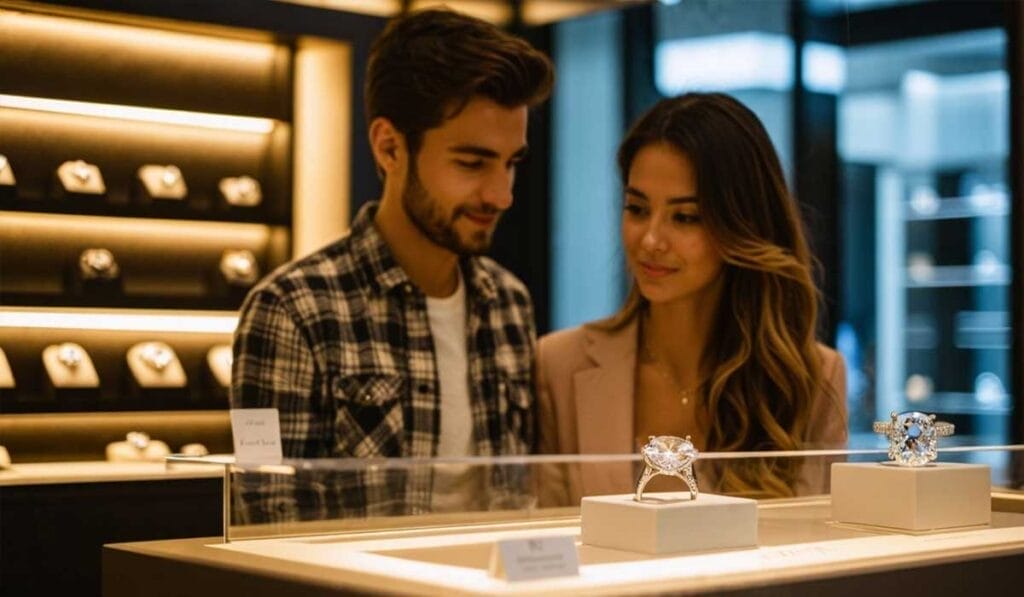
[936, 496]
[668, 522]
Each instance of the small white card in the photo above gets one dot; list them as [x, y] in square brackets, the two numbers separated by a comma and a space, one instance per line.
[257, 435]
[532, 559]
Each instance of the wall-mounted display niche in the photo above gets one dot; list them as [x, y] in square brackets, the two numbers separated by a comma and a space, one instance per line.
[145, 186]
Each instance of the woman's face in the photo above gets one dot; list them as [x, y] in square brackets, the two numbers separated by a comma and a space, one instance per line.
[668, 249]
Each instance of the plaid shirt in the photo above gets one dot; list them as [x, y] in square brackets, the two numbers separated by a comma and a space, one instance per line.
[340, 344]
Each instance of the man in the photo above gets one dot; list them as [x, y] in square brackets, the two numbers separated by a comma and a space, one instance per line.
[401, 339]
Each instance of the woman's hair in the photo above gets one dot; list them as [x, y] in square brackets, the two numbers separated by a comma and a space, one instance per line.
[763, 363]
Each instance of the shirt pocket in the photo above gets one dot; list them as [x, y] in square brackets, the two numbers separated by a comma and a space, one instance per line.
[369, 420]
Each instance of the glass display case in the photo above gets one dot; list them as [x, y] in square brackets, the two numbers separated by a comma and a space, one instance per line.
[449, 544]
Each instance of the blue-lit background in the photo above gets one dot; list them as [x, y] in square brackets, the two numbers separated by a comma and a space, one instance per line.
[912, 226]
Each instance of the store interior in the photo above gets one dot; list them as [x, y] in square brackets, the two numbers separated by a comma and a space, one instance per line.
[158, 158]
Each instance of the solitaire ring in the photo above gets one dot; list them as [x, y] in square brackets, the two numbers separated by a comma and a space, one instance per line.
[670, 456]
[137, 439]
[913, 437]
[69, 355]
[239, 267]
[156, 355]
[96, 264]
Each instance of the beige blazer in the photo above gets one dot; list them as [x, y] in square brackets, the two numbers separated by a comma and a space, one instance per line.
[585, 380]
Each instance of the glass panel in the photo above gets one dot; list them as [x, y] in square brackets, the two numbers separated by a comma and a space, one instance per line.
[306, 497]
[925, 308]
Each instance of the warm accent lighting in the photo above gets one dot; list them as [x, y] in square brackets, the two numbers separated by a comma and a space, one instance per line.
[245, 124]
[209, 322]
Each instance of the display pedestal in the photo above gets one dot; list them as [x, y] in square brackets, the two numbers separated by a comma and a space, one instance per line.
[668, 522]
[937, 496]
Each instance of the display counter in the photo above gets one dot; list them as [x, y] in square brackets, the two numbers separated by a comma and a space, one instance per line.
[55, 517]
[800, 548]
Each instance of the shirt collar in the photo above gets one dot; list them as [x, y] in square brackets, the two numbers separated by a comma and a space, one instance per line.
[380, 268]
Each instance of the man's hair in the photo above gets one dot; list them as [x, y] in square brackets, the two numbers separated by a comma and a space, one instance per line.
[425, 67]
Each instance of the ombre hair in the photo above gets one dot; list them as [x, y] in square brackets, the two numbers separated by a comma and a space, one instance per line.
[764, 367]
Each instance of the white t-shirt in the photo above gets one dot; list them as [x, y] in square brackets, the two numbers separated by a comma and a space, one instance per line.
[447, 317]
[455, 486]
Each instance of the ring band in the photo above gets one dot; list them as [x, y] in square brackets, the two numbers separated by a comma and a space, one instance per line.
[670, 456]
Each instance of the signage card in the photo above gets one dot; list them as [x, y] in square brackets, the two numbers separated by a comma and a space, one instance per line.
[257, 435]
[532, 559]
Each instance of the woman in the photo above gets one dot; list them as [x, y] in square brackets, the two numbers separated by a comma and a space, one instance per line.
[717, 337]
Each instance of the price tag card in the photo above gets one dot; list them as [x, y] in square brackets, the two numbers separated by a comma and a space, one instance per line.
[532, 559]
[257, 435]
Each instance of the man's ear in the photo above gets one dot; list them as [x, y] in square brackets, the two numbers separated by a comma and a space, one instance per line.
[387, 145]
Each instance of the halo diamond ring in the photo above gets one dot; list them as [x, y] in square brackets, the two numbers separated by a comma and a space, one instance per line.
[670, 456]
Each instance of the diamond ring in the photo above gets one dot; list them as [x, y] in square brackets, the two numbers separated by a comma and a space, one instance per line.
[671, 456]
[239, 267]
[69, 355]
[137, 439]
[156, 355]
[170, 176]
[97, 264]
[913, 437]
[241, 191]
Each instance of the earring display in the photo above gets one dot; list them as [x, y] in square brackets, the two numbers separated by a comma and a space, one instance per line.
[239, 268]
[6, 375]
[219, 360]
[81, 178]
[163, 182]
[154, 365]
[6, 172]
[68, 366]
[241, 191]
[98, 264]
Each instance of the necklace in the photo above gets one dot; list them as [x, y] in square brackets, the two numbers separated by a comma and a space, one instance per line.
[663, 370]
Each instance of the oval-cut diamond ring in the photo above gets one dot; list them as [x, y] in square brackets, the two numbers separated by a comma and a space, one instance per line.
[671, 456]
[913, 437]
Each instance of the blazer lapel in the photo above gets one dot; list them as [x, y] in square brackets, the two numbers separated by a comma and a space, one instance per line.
[604, 393]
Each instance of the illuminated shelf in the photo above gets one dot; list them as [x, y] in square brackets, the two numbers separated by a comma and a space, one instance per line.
[993, 204]
[183, 211]
[953, 276]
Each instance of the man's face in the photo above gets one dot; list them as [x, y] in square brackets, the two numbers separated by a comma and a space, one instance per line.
[460, 181]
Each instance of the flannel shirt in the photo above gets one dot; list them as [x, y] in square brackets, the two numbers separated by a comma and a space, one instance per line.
[340, 344]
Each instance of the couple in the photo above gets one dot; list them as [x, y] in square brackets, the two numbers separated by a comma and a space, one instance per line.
[400, 339]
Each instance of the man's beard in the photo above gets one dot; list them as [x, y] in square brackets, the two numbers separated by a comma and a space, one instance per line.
[430, 219]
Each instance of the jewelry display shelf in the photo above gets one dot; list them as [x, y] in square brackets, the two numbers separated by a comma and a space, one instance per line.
[155, 114]
[800, 552]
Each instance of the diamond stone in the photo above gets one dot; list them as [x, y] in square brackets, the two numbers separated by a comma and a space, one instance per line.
[668, 453]
[157, 356]
[81, 171]
[913, 439]
[170, 176]
[69, 355]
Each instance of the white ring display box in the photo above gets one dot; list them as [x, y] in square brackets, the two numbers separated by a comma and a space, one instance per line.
[668, 522]
[939, 496]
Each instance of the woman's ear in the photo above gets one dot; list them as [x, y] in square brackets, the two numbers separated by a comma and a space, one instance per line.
[387, 145]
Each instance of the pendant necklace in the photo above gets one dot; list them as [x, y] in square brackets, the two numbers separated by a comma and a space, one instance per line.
[685, 395]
